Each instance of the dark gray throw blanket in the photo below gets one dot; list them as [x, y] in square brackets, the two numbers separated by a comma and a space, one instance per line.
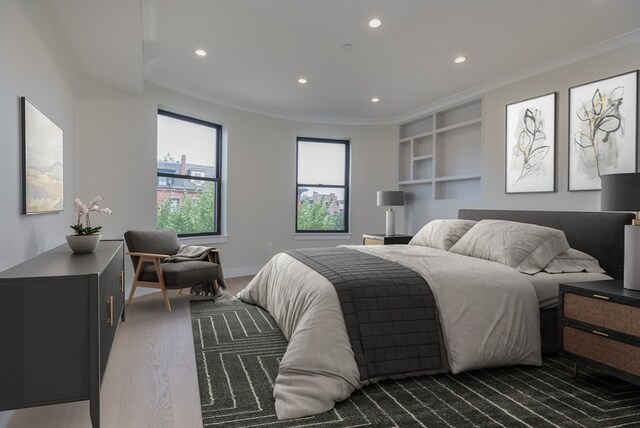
[388, 309]
[188, 253]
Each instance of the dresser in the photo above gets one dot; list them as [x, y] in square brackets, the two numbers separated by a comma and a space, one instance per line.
[382, 239]
[600, 327]
[59, 313]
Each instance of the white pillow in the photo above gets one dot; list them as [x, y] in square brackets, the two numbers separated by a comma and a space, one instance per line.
[572, 261]
[442, 234]
[522, 246]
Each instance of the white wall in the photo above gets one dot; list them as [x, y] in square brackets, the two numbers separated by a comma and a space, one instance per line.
[33, 63]
[493, 158]
[118, 154]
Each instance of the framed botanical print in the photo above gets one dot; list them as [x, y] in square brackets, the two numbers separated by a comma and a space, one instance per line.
[602, 130]
[43, 178]
[530, 145]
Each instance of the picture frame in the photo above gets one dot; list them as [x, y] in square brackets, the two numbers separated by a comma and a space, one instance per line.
[42, 161]
[530, 145]
[603, 130]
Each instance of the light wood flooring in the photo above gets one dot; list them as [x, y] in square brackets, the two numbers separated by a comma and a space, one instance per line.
[151, 378]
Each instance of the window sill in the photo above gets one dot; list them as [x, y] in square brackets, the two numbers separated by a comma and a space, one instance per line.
[203, 240]
[322, 236]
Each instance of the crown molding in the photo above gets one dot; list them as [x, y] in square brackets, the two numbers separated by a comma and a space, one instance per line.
[252, 108]
[460, 97]
[477, 91]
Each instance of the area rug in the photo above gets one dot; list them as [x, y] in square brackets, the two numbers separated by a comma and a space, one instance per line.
[239, 348]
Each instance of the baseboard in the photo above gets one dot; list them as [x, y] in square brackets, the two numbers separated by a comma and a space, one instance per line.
[5, 417]
[242, 271]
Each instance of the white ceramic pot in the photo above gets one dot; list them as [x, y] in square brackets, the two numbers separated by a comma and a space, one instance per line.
[83, 243]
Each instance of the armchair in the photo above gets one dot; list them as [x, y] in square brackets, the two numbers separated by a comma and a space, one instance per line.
[148, 248]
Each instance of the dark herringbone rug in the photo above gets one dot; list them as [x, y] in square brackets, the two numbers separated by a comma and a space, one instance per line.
[239, 347]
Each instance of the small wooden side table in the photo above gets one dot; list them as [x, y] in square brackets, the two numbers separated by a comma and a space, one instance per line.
[382, 239]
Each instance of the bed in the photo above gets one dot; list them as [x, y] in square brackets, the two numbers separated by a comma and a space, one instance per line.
[600, 234]
[323, 365]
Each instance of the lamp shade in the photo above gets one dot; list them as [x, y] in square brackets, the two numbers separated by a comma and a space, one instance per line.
[620, 192]
[390, 198]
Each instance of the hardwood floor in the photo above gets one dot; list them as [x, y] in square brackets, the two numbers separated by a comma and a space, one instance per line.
[151, 378]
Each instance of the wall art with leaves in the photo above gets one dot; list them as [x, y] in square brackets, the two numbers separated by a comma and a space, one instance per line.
[602, 130]
[531, 145]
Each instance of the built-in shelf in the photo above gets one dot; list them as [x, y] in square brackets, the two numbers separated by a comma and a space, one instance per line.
[457, 178]
[441, 152]
[460, 125]
[421, 181]
[424, 134]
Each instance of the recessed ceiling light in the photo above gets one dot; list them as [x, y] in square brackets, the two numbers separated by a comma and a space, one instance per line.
[375, 23]
[375, 99]
[460, 59]
[302, 80]
[201, 52]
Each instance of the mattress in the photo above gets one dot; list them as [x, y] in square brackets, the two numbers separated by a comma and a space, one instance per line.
[547, 284]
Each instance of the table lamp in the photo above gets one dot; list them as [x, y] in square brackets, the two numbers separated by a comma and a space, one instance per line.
[621, 192]
[390, 198]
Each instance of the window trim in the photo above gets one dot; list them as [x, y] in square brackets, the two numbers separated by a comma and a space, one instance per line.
[216, 179]
[346, 186]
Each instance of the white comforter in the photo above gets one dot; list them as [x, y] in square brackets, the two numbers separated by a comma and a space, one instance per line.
[488, 312]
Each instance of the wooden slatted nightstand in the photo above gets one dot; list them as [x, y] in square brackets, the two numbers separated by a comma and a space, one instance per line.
[600, 327]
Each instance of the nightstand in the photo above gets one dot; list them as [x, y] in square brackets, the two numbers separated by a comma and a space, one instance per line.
[382, 239]
[600, 327]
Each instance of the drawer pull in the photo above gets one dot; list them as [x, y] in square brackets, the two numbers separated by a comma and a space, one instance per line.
[110, 311]
[121, 281]
[599, 333]
[599, 296]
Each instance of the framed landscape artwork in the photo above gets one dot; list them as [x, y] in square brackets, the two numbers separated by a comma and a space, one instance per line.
[43, 183]
[531, 145]
[602, 130]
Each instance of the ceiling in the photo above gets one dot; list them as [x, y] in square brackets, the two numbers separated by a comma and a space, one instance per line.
[257, 49]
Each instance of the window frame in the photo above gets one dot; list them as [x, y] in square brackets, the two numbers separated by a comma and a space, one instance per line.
[346, 186]
[216, 180]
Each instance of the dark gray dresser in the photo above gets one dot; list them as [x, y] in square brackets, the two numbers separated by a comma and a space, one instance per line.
[58, 316]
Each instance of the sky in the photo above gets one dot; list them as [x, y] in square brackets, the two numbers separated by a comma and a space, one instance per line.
[321, 163]
[179, 137]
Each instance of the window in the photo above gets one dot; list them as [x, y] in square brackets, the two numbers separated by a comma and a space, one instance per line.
[188, 148]
[165, 181]
[174, 204]
[197, 174]
[322, 185]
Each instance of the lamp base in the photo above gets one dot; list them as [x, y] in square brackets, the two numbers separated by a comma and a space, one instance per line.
[391, 223]
[631, 259]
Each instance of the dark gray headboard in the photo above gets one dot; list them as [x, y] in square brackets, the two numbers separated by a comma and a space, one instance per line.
[600, 234]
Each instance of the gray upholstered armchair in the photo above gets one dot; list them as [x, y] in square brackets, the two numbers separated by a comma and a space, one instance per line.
[149, 248]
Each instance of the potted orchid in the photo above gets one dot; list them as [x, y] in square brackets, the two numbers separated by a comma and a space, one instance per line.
[86, 238]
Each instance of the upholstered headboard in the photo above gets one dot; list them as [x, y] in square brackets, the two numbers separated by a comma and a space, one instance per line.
[600, 234]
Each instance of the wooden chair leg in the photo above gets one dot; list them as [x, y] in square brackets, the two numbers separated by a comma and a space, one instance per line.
[165, 295]
[136, 275]
[133, 290]
[163, 288]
